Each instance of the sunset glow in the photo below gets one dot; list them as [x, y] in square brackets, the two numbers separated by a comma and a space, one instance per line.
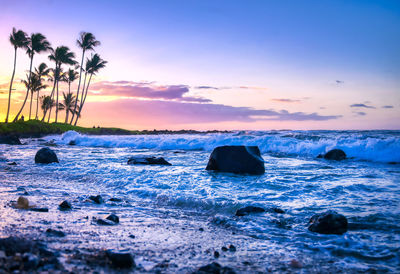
[222, 64]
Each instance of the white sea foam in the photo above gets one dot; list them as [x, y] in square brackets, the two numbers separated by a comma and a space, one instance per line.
[372, 146]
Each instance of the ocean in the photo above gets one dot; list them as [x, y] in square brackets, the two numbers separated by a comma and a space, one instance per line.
[182, 213]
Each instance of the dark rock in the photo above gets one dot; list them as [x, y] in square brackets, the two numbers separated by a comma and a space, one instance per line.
[201, 229]
[224, 248]
[216, 254]
[237, 159]
[31, 261]
[148, 161]
[45, 156]
[105, 222]
[115, 200]
[329, 222]
[39, 209]
[120, 259]
[277, 210]
[72, 143]
[65, 205]
[232, 248]
[53, 232]
[335, 154]
[97, 199]
[249, 210]
[12, 163]
[114, 218]
[215, 268]
[10, 140]
[12, 245]
[132, 236]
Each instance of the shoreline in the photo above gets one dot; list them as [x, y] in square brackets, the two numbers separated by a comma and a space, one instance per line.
[38, 129]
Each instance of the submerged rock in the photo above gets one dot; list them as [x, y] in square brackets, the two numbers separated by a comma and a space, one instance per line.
[39, 209]
[237, 159]
[105, 222]
[120, 259]
[65, 205]
[72, 143]
[334, 154]
[115, 200]
[97, 199]
[10, 140]
[214, 268]
[56, 233]
[12, 163]
[329, 222]
[45, 156]
[148, 161]
[249, 210]
[114, 218]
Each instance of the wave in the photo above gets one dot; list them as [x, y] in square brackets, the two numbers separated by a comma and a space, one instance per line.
[377, 146]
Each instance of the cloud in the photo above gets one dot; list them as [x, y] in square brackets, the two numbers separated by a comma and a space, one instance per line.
[361, 106]
[147, 90]
[285, 100]
[206, 87]
[387, 107]
[360, 113]
[159, 112]
[339, 82]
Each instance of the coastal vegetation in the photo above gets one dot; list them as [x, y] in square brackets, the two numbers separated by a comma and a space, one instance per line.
[37, 77]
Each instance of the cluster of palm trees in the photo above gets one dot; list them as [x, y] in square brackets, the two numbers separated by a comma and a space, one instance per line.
[37, 43]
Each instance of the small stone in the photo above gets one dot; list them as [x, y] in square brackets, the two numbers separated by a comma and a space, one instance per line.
[232, 248]
[22, 203]
[329, 222]
[105, 222]
[132, 236]
[97, 199]
[224, 248]
[216, 254]
[278, 210]
[53, 232]
[72, 143]
[12, 163]
[120, 259]
[201, 229]
[215, 268]
[65, 205]
[295, 264]
[39, 209]
[115, 200]
[45, 156]
[249, 210]
[114, 218]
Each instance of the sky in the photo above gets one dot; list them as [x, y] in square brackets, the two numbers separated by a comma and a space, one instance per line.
[228, 65]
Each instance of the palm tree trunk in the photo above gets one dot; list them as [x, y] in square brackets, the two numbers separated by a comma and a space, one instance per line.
[27, 90]
[51, 97]
[37, 105]
[12, 79]
[83, 88]
[44, 114]
[52, 94]
[57, 104]
[66, 115]
[30, 105]
[79, 85]
[84, 99]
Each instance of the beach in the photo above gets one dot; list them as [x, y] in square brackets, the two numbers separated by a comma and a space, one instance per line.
[178, 218]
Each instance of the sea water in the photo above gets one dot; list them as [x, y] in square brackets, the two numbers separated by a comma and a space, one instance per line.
[365, 188]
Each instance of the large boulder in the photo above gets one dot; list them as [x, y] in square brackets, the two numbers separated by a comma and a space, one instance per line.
[45, 156]
[9, 140]
[237, 159]
[329, 222]
[335, 154]
[148, 161]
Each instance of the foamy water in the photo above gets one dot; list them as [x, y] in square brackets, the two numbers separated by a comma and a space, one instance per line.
[365, 188]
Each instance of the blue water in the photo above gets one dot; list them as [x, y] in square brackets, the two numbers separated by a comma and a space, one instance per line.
[364, 188]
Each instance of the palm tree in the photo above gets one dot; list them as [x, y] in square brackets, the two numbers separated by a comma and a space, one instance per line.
[93, 66]
[37, 44]
[70, 77]
[40, 71]
[19, 40]
[34, 85]
[68, 104]
[86, 41]
[61, 55]
[46, 104]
